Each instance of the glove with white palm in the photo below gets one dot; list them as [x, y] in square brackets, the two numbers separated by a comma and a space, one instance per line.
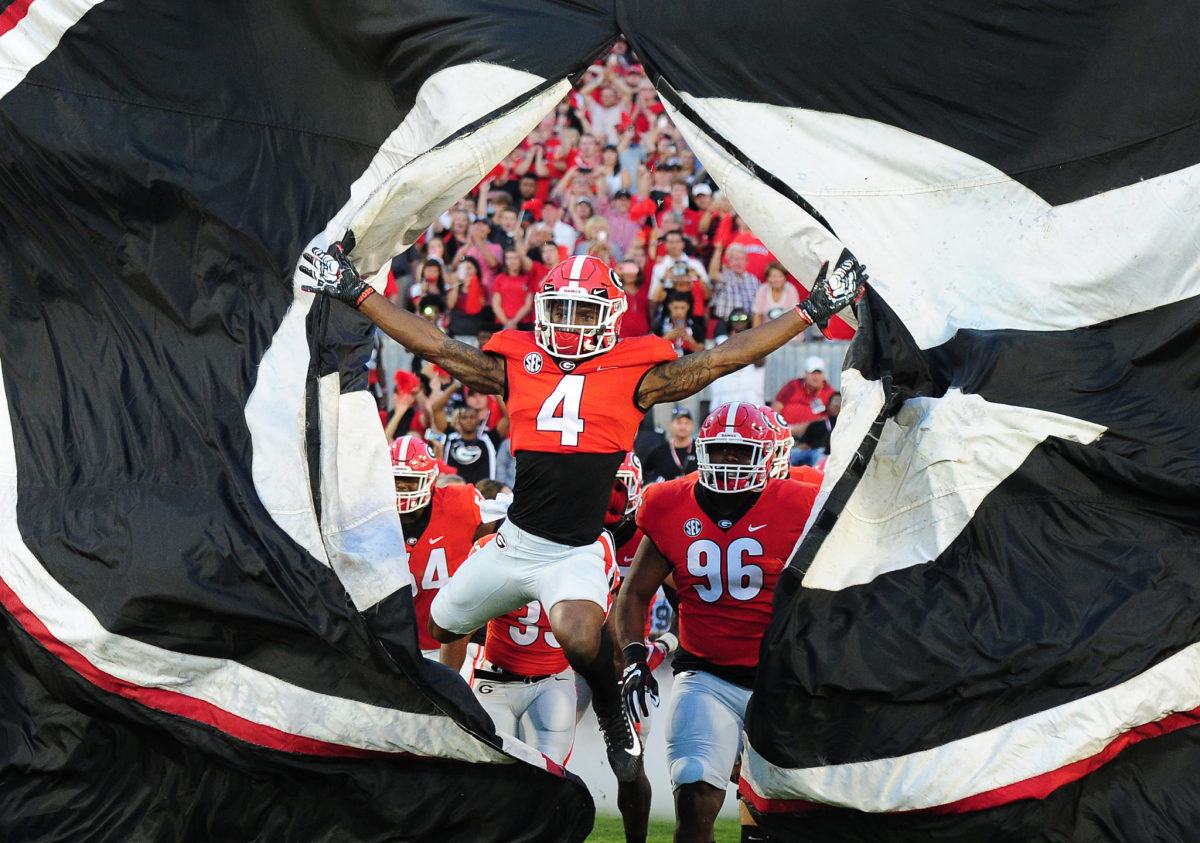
[334, 275]
[638, 682]
[831, 293]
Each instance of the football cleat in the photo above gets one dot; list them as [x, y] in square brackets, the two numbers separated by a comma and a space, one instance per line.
[622, 743]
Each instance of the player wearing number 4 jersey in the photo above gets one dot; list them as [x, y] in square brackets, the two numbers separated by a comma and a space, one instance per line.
[724, 534]
[576, 394]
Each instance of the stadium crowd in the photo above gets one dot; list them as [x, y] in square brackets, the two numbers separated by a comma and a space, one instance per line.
[605, 176]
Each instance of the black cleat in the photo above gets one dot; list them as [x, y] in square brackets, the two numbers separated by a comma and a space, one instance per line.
[623, 744]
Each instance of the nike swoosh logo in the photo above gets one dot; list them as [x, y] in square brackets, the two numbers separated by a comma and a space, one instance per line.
[435, 541]
[755, 529]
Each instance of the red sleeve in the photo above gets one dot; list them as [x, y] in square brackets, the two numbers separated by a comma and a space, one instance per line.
[642, 208]
[785, 394]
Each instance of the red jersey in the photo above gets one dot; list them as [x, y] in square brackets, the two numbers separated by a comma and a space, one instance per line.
[521, 642]
[573, 407]
[800, 404]
[807, 474]
[571, 426]
[725, 577]
[625, 554]
[437, 553]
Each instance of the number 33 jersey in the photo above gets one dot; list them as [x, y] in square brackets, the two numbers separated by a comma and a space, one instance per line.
[725, 572]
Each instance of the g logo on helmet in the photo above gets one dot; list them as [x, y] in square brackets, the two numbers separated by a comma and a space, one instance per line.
[533, 362]
[616, 279]
[692, 527]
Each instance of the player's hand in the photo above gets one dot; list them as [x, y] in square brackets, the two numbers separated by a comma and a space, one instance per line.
[832, 292]
[334, 275]
[638, 682]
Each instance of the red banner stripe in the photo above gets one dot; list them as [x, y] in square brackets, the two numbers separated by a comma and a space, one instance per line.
[173, 702]
[12, 16]
[1037, 787]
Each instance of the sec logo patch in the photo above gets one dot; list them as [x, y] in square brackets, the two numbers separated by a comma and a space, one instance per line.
[692, 528]
[533, 362]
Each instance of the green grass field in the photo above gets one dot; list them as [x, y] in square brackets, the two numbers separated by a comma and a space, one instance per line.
[609, 830]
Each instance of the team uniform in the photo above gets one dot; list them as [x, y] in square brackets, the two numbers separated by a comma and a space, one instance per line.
[524, 681]
[725, 573]
[437, 545]
[572, 422]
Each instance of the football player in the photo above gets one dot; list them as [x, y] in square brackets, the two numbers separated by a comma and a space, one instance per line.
[439, 526]
[724, 534]
[576, 395]
[633, 798]
[784, 440]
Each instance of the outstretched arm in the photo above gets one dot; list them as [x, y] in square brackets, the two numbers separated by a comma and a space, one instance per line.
[677, 379]
[334, 275]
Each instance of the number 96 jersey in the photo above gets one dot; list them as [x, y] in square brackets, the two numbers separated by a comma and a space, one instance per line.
[725, 572]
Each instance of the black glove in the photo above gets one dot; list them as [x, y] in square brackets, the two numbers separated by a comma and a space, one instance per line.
[334, 274]
[829, 295]
[638, 682]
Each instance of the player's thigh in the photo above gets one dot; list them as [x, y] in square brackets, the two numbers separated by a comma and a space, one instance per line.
[484, 587]
[549, 721]
[495, 699]
[703, 729]
[578, 574]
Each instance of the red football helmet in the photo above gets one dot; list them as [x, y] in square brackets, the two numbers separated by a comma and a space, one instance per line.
[781, 461]
[412, 459]
[630, 473]
[739, 434]
[577, 312]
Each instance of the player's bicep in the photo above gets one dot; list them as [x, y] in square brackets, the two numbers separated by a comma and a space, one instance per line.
[480, 370]
[677, 379]
[647, 571]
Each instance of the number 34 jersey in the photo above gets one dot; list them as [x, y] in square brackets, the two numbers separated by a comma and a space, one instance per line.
[725, 572]
[440, 549]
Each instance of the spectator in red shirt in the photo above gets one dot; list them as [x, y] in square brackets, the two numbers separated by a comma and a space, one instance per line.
[636, 321]
[805, 400]
[757, 254]
[512, 301]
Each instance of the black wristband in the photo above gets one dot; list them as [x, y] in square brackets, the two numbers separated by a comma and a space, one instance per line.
[635, 652]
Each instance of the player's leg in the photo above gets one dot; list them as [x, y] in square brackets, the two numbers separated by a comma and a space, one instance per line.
[549, 717]
[703, 735]
[633, 801]
[494, 697]
[486, 585]
[575, 587]
[751, 833]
